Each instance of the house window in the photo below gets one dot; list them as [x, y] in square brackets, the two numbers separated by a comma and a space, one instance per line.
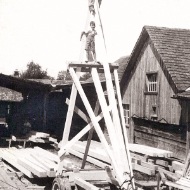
[126, 113]
[152, 83]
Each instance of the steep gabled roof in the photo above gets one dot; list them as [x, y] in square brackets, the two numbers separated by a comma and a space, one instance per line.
[173, 48]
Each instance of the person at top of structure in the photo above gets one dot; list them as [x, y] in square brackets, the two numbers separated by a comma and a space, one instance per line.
[91, 7]
[90, 42]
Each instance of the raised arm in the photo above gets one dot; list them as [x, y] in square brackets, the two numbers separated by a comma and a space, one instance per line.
[82, 33]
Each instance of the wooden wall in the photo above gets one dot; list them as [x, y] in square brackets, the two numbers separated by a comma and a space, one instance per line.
[164, 136]
[169, 111]
[141, 104]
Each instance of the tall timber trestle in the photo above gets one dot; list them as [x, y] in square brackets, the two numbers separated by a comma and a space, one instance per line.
[120, 172]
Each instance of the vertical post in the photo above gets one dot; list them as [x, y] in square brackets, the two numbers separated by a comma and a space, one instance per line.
[132, 130]
[45, 111]
[188, 129]
[90, 134]
[66, 130]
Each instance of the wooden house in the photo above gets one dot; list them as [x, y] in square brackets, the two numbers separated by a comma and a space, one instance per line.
[157, 70]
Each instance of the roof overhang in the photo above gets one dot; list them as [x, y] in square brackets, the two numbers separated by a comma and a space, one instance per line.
[22, 85]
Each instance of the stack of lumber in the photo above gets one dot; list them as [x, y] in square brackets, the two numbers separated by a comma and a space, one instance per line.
[40, 137]
[145, 159]
[33, 162]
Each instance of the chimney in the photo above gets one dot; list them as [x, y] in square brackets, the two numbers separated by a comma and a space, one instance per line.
[16, 73]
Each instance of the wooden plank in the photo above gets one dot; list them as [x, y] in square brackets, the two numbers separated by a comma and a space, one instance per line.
[75, 64]
[36, 170]
[177, 165]
[118, 154]
[89, 159]
[87, 175]
[41, 162]
[69, 117]
[162, 163]
[93, 153]
[137, 156]
[145, 184]
[79, 112]
[187, 164]
[121, 113]
[179, 186]
[150, 151]
[145, 164]
[47, 154]
[85, 185]
[49, 170]
[143, 169]
[171, 175]
[97, 107]
[43, 158]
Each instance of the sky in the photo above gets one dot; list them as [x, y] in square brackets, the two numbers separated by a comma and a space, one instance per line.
[47, 32]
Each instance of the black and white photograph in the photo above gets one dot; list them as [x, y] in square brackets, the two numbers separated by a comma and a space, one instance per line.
[95, 94]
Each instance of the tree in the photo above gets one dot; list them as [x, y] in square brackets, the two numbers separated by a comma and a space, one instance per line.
[61, 75]
[34, 71]
[64, 75]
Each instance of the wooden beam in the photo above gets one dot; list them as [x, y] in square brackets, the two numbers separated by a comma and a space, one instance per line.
[177, 166]
[46, 160]
[97, 107]
[187, 165]
[89, 159]
[187, 120]
[106, 113]
[84, 184]
[149, 151]
[178, 186]
[75, 64]
[143, 169]
[36, 170]
[87, 175]
[79, 112]
[47, 154]
[69, 117]
[93, 153]
[121, 114]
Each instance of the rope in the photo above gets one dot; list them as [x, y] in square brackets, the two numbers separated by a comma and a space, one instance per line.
[101, 26]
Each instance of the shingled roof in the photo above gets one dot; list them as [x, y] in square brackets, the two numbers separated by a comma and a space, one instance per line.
[10, 95]
[173, 47]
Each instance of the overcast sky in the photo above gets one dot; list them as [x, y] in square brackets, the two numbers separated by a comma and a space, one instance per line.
[48, 31]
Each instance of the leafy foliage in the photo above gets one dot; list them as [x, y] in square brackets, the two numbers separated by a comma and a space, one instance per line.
[64, 75]
[34, 71]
